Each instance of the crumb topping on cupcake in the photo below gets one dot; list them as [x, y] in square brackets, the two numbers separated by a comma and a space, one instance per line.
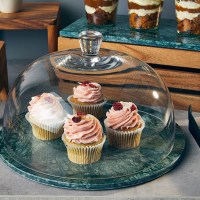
[88, 92]
[123, 115]
[82, 129]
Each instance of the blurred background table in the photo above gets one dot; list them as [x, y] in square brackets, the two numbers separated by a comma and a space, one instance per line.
[175, 57]
[35, 16]
[180, 183]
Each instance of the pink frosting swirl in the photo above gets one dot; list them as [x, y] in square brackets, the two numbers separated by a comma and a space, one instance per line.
[88, 92]
[46, 107]
[87, 129]
[124, 116]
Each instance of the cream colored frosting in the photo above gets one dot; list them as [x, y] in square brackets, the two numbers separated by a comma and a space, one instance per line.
[89, 10]
[108, 9]
[181, 15]
[188, 4]
[46, 108]
[86, 93]
[146, 2]
[124, 118]
[143, 12]
[87, 130]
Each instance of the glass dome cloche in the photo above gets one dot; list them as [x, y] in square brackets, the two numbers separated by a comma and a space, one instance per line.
[127, 84]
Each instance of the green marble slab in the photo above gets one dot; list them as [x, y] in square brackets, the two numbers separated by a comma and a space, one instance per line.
[28, 157]
[166, 36]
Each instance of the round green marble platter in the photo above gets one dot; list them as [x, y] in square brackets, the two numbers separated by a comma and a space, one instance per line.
[86, 177]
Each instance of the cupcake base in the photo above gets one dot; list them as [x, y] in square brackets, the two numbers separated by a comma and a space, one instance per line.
[42, 134]
[93, 109]
[123, 140]
[84, 154]
[48, 131]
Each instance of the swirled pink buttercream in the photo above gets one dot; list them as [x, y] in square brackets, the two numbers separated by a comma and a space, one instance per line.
[46, 107]
[85, 131]
[88, 92]
[122, 116]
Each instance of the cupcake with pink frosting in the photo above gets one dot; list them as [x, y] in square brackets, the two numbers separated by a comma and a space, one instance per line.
[84, 138]
[46, 116]
[88, 98]
[124, 125]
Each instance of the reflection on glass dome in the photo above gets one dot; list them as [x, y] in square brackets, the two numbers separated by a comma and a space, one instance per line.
[131, 80]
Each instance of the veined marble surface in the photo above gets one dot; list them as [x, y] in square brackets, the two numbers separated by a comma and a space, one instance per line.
[166, 36]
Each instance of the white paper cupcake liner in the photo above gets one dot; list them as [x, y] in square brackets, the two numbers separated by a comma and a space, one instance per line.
[52, 127]
[42, 134]
[94, 109]
[84, 154]
[124, 139]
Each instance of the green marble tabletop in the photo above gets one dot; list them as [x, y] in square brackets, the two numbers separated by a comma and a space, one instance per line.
[166, 36]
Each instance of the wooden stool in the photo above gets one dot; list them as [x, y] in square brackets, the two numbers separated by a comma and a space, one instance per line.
[3, 73]
[38, 16]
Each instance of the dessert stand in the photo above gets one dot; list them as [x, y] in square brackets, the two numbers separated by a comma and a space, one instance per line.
[162, 143]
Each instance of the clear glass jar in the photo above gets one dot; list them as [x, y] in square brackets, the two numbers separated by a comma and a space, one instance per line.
[144, 14]
[101, 12]
[188, 16]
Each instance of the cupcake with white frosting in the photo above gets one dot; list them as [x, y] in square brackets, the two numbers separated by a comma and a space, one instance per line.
[124, 125]
[88, 98]
[188, 16]
[46, 116]
[84, 138]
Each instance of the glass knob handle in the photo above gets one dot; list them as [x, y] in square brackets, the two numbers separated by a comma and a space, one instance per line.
[90, 42]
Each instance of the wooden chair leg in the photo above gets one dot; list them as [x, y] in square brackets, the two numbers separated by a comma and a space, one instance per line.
[53, 32]
[52, 38]
[3, 73]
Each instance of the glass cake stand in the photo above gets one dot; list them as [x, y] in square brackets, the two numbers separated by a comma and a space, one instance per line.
[123, 78]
